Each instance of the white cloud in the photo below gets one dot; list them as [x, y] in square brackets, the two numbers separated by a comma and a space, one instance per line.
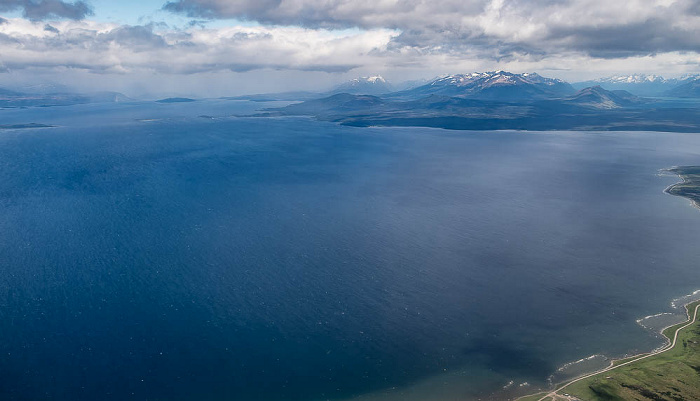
[100, 47]
[544, 26]
[402, 39]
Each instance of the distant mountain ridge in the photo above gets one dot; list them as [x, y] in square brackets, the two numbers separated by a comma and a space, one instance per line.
[690, 88]
[494, 85]
[591, 109]
[639, 84]
[503, 100]
[38, 98]
[632, 79]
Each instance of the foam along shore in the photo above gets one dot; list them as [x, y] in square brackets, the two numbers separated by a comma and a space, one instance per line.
[669, 373]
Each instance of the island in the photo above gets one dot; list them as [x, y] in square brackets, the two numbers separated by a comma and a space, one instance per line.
[25, 126]
[176, 100]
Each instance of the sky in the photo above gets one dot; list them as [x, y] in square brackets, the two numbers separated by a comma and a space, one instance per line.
[229, 47]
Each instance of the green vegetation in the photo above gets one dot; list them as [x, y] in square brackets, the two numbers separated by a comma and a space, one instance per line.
[624, 360]
[690, 187]
[673, 375]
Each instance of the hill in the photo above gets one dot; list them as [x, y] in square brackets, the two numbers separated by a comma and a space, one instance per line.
[599, 98]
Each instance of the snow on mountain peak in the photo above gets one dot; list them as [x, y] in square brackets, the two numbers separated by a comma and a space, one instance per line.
[689, 77]
[632, 79]
[498, 77]
[370, 85]
[376, 78]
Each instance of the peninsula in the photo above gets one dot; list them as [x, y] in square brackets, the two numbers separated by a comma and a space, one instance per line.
[690, 187]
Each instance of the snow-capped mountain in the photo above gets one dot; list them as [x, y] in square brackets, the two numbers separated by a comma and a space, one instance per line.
[494, 85]
[638, 84]
[631, 79]
[372, 85]
[688, 77]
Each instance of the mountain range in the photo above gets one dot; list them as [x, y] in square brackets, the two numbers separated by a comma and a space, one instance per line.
[503, 85]
[493, 85]
[641, 84]
[504, 100]
[688, 89]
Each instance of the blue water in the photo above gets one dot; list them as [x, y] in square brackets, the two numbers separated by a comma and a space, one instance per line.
[184, 258]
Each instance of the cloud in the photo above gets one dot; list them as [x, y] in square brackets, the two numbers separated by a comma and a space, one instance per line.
[646, 37]
[332, 13]
[111, 48]
[37, 10]
[404, 38]
[599, 28]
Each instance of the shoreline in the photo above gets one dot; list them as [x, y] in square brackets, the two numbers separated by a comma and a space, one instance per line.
[684, 180]
[668, 343]
[691, 318]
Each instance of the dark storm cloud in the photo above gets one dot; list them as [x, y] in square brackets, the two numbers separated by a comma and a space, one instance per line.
[647, 37]
[37, 10]
[49, 28]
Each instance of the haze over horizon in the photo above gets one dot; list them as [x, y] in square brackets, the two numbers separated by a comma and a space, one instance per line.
[219, 47]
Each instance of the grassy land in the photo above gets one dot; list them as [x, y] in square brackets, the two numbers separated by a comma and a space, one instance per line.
[625, 360]
[670, 376]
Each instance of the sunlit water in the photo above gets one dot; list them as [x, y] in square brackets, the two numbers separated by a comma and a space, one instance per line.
[148, 253]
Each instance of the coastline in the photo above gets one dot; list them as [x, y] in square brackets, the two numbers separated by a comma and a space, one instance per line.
[684, 181]
[691, 318]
